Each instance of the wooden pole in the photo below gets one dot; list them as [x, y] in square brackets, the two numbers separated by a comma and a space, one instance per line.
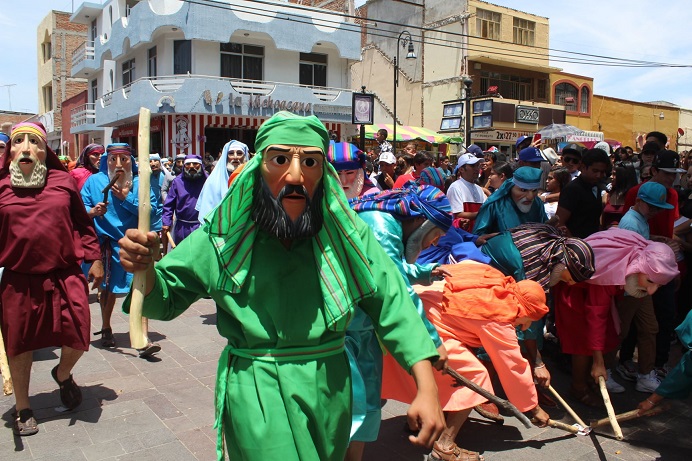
[7, 387]
[137, 335]
[627, 416]
[609, 407]
[567, 407]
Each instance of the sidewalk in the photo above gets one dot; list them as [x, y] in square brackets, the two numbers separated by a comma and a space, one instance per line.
[162, 409]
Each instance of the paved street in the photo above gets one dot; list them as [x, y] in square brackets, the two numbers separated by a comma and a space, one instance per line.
[162, 409]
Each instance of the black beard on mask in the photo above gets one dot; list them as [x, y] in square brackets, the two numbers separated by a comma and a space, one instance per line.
[177, 170]
[193, 175]
[269, 214]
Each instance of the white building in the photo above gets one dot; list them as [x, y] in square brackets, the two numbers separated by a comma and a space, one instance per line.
[210, 71]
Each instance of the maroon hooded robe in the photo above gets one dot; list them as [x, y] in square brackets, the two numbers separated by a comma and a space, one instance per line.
[45, 234]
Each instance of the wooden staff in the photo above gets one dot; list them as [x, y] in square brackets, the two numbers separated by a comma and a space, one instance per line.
[566, 427]
[170, 239]
[627, 416]
[7, 387]
[567, 407]
[610, 409]
[137, 335]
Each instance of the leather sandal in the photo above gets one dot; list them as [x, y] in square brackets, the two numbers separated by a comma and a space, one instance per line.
[149, 350]
[490, 411]
[70, 394]
[24, 423]
[107, 339]
[453, 453]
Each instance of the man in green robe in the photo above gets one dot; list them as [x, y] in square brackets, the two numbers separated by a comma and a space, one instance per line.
[286, 260]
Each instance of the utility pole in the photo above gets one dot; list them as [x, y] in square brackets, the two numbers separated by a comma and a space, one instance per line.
[9, 95]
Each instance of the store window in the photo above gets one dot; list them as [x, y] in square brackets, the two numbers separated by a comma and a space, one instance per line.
[488, 24]
[94, 90]
[313, 69]
[524, 32]
[48, 97]
[242, 61]
[566, 95]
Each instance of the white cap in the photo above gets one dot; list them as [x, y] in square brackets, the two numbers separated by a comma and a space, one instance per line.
[468, 159]
[387, 157]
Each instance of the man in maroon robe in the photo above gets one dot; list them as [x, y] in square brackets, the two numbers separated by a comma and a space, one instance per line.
[46, 234]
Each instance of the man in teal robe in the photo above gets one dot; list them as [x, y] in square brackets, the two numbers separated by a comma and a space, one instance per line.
[286, 260]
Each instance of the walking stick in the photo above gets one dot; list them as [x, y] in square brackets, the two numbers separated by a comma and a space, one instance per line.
[627, 416]
[7, 387]
[492, 397]
[609, 408]
[569, 409]
[137, 336]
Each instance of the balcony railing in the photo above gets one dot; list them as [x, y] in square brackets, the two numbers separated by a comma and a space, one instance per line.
[172, 83]
[83, 115]
[83, 51]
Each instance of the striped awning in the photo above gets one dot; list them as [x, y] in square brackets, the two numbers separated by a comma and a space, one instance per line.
[406, 133]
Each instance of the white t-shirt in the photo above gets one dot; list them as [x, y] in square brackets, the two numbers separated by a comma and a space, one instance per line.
[461, 191]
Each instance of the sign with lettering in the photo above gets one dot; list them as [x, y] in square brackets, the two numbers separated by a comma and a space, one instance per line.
[527, 114]
[500, 136]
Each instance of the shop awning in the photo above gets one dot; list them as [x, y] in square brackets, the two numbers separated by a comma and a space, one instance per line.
[407, 133]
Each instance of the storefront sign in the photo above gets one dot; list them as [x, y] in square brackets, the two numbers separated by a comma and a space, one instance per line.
[130, 130]
[258, 102]
[500, 136]
[527, 114]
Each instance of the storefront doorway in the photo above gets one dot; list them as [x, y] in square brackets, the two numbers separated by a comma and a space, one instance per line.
[217, 137]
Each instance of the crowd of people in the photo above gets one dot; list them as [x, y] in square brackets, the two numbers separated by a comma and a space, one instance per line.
[343, 277]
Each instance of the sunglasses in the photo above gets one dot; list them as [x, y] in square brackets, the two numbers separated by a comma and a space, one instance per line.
[570, 160]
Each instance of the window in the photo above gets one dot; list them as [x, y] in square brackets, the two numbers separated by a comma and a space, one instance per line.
[508, 85]
[566, 95]
[542, 91]
[488, 24]
[182, 57]
[151, 62]
[94, 90]
[129, 4]
[584, 103]
[242, 61]
[93, 31]
[48, 97]
[47, 51]
[313, 69]
[524, 32]
[128, 72]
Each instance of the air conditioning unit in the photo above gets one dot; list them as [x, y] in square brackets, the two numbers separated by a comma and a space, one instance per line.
[569, 100]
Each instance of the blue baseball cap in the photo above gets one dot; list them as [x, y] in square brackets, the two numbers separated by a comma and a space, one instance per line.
[654, 194]
[475, 150]
[530, 154]
[520, 139]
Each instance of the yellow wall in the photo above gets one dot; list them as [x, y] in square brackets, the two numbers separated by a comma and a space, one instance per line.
[623, 120]
[505, 46]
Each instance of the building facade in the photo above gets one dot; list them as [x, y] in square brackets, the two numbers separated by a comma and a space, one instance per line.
[210, 71]
[501, 50]
[57, 38]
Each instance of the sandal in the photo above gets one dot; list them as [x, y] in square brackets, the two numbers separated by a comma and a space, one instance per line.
[70, 395]
[149, 350]
[107, 339]
[586, 396]
[490, 411]
[454, 453]
[24, 423]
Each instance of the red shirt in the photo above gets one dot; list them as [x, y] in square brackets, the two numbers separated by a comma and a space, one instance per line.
[663, 223]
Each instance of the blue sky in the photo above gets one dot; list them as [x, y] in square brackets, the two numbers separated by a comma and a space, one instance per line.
[633, 29]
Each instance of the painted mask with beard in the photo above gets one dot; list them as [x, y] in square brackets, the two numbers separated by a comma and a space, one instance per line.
[633, 286]
[120, 164]
[352, 182]
[193, 173]
[420, 239]
[27, 167]
[269, 214]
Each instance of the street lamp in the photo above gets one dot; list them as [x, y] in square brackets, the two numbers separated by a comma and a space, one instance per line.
[468, 82]
[411, 54]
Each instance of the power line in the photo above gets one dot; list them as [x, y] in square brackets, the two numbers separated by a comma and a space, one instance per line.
[569, 57]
